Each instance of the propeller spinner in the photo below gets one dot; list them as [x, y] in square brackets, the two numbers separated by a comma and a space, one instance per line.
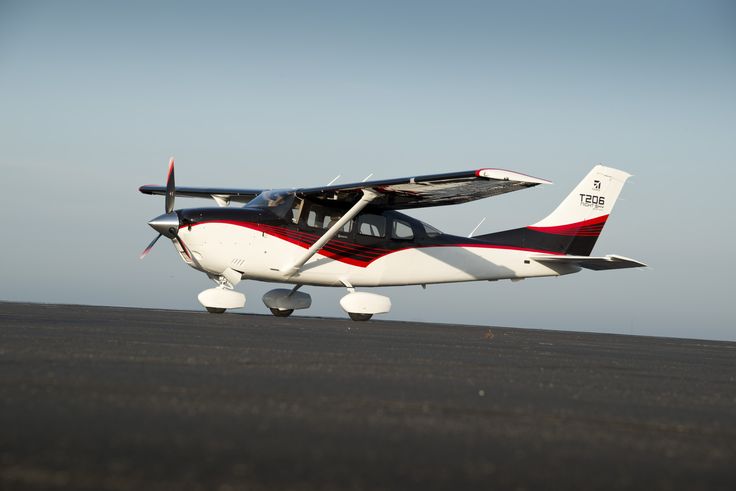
[168, 223]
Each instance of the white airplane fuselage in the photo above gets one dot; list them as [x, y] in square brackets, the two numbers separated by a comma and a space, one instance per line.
[214, 247]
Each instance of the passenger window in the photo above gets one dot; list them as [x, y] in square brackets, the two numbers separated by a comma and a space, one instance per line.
[323, 218]
[401, 230]
[330, 220]
[372, 225]
[347, 227]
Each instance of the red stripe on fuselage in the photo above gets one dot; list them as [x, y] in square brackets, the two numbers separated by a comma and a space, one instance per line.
[357, 249]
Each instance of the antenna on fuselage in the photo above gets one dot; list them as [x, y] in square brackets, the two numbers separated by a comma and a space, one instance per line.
[333, 181]
[476, 227]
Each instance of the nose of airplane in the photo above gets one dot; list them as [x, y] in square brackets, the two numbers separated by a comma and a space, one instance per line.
[166, 224]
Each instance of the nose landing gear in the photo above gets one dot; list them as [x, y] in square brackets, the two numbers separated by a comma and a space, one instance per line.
[217, 300]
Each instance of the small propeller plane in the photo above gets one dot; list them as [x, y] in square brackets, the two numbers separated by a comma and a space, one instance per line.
[355, 236]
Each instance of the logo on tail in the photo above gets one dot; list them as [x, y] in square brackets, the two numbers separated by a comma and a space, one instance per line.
[592, 200]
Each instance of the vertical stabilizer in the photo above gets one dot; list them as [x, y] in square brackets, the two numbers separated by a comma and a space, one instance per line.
[573, 228]
[582, 215]
[592, 199]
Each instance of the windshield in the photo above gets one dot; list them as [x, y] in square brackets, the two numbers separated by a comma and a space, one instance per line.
[277, 201]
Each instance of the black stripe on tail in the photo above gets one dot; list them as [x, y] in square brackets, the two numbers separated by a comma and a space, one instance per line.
[576, 239]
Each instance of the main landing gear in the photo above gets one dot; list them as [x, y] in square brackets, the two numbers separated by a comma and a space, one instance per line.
[282, 302]
[361, 306]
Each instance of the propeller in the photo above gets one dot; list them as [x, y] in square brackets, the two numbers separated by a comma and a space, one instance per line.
[150, 246]
[170, 187]
[168, 223]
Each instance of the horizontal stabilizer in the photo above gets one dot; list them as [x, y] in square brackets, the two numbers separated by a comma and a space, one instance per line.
[595, 263]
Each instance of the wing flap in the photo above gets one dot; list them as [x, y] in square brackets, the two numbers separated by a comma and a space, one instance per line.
[594, 263]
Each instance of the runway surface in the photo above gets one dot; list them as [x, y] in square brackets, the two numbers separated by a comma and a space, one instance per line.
[113, 398]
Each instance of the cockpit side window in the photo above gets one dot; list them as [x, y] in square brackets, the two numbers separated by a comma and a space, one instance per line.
[314, 219]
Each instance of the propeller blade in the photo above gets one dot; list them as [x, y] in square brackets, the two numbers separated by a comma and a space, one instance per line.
[150, 246]
[170, 188]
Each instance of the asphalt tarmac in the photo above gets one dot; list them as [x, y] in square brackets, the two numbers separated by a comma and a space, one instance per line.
[132, 399]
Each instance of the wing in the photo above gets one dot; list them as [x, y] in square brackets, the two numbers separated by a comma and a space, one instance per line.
[218, 194]
[431, 190]
[595, 263]
[393, 194]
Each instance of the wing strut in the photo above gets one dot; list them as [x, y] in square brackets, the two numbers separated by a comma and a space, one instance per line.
[292, 269]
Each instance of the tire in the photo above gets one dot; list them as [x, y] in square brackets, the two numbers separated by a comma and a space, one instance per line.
[359, 317]
[215, 310]
[282, 312]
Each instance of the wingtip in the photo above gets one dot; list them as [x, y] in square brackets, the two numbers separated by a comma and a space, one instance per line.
[508, 175]
[147, 188]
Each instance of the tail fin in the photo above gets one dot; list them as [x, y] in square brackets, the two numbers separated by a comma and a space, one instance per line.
[582, 215]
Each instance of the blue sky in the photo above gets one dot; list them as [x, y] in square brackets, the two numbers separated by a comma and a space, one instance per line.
[97, 95]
